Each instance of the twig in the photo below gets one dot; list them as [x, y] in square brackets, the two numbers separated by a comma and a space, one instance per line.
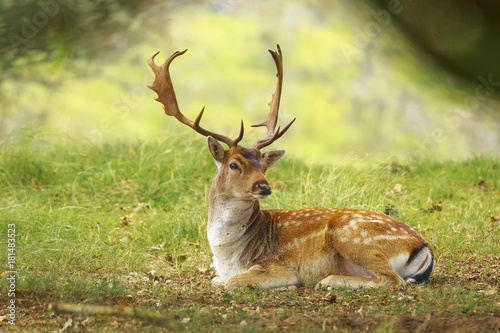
[122, 311]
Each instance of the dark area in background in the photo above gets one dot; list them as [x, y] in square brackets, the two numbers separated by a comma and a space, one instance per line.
[462, 36]
[54, 30]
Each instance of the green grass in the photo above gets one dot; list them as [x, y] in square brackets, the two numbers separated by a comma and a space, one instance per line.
[124, 223]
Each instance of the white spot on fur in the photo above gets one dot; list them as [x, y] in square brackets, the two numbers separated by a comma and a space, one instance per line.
[299, 241]
[364, 233]
[353, 225]
[384, 238]
[389, 237]
[356, 241]
[345, 231]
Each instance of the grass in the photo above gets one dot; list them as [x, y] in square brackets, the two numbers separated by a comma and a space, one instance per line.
[123, 223]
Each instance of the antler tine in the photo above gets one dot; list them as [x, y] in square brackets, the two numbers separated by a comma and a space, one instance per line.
[272, 117]
[163, 86]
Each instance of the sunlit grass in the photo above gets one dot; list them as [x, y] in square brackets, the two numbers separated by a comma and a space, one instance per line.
[95, 223]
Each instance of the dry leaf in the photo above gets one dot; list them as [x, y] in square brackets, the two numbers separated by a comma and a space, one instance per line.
[397, 189]
[126, 220]
[490, 292]
[67, 325]
[157, 247]
[202, 268]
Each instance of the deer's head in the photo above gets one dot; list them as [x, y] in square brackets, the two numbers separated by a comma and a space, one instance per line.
[240, 171]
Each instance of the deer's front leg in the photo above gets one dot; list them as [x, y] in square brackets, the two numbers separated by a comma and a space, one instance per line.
[217, 281]
[262, 276]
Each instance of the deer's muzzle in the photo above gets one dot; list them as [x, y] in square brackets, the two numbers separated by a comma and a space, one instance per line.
[262, 187]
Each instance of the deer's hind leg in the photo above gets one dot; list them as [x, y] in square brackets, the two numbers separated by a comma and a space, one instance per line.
[372, 273]
[356, 264]
[265, 276]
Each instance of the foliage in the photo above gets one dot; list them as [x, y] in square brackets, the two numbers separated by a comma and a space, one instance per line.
[124, 223]
[381, 100]
[466, 47]
[51, 30]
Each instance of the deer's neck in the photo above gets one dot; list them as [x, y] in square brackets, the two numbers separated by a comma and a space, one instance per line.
[239, 233]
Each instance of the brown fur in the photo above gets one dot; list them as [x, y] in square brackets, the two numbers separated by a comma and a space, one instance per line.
[306, 246]
[278, 248]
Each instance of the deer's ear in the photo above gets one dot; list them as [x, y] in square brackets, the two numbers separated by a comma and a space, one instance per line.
[216, 150]
[272, 157]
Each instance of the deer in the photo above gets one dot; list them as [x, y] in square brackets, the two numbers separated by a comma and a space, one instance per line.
[286, 248]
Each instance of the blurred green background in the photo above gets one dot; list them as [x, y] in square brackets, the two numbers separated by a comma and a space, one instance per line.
[359, 84]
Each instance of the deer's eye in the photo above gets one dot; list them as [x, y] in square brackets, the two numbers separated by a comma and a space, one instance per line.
[234, 166]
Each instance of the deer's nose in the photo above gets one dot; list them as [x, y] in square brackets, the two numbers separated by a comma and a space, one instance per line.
[263, 187]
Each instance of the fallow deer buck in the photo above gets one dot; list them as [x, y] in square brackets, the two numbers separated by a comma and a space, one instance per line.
[281, 248]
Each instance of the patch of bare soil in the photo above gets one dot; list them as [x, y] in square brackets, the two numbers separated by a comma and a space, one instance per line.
[189, 298]
[33, 316]
[429, 322]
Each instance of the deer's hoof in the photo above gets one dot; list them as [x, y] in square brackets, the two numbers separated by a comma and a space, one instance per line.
[217, 281]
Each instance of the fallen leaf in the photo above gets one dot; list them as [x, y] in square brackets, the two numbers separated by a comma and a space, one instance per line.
[395, 167]
[157, 247]
[153, 275]
[398, 188]
[126, 220]
[391, 210]
[202, 268]
[482, 185]
[488, 292]
[67, 325]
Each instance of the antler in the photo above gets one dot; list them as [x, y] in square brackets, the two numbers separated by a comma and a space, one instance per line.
[162, 85]
[272, 117]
